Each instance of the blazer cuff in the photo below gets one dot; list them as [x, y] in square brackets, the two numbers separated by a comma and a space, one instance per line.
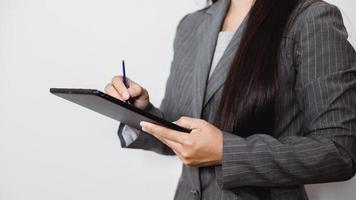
[220, 170]
[129, 135]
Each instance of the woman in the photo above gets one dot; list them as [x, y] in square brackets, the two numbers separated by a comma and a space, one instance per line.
[268, 89]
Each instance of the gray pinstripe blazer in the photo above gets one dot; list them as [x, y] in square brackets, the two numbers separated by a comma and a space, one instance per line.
[315, 136]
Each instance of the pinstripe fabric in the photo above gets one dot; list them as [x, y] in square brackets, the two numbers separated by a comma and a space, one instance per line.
[314, 139]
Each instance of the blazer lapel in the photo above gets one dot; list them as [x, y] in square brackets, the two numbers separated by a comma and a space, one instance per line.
[219, 75]
[208, 32]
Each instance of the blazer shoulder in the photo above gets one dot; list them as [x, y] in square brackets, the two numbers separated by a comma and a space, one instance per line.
[189, 23]
[315, 11]
[312, 9]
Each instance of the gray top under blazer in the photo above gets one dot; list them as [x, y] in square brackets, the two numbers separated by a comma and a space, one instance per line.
[315, 136]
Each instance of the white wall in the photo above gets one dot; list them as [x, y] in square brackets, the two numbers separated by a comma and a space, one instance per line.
[52, 149]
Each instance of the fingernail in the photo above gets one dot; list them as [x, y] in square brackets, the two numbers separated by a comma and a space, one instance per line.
[143, 124]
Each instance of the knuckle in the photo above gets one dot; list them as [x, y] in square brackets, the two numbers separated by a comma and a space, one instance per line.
[185, 155]
[188, 143]
[135, 90]
[182, 119]
[115, 79]
[139, 89]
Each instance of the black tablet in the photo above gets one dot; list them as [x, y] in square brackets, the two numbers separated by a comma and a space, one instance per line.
[111, 107]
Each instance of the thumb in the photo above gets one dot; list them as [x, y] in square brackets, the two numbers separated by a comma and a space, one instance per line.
[189, 123]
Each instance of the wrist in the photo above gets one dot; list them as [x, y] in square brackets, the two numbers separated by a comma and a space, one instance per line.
[219, 149]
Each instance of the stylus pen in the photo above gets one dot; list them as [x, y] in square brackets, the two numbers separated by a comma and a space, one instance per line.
[124, 76]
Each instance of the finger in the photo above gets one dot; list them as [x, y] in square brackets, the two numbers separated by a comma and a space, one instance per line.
[119, 85]
[190, 123]
[163, 132]
[135, 90]
[110, 90]
[176, 147]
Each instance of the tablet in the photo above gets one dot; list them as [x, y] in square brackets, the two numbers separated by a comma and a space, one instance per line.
[111, 107]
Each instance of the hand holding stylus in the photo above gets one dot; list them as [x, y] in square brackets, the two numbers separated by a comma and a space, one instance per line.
[125, 89]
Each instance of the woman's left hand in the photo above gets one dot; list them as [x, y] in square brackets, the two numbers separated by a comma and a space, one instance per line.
[203, 146]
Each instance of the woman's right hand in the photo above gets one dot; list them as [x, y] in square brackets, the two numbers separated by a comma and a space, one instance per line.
[136, 94]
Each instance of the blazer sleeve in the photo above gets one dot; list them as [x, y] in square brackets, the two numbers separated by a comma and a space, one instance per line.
[326, 94]
[146, 141]
[143, 140]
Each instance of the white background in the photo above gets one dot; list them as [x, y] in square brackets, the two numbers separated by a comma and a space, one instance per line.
[53, 149]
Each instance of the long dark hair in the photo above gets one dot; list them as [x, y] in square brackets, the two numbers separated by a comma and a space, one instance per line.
[249, 99]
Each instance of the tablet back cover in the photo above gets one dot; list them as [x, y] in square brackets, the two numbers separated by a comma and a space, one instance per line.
[111, 107]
